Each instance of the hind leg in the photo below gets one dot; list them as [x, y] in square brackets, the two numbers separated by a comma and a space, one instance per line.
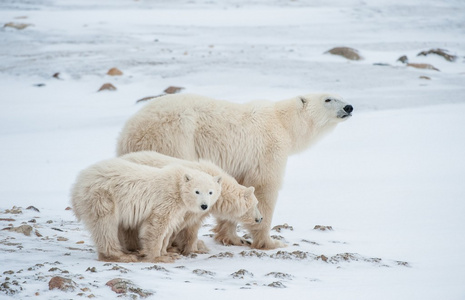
[105, 235]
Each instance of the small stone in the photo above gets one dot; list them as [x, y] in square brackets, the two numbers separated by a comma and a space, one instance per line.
[19, 26]
[93, 269]
[37, 233]
[61, 283]
[24, 229]
[403, 59]
[422, 66]
[68, 208]
[114, 72]
[346, 52]
[9, 272]
[62, 239]
[14, 210]
[241, 274]
[277, 284]
[7, 219]
[425, 77]
[201, 272]
[32, 221]
[323, 228]
[323, 258]
[33, 208]
[49, 222]
[80, 242]
[440, 52]
[56, 75]
[278, 228]
[107, 87]
[173, 89]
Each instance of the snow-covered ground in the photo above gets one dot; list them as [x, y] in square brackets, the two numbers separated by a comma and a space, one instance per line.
[389, 180]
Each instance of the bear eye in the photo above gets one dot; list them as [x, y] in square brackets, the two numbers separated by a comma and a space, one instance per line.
[211, 193]
[197, 192]
[328, 100]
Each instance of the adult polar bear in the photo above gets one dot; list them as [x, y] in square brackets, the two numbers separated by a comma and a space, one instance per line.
[249, 141]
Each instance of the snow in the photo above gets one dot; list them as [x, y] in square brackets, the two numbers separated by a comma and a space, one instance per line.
[389, 180]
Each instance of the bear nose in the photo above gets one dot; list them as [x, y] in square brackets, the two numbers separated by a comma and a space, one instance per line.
[204, 206]
[348, 108]
[258, 220]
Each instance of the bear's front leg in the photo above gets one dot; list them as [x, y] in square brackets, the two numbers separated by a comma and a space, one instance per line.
[226, 233]
[267, 196]
[151, 236]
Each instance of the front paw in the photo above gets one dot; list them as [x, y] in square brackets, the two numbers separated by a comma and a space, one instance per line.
[232, 241]
[267, 244]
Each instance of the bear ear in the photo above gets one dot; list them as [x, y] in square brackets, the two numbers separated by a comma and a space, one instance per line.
[218, 179]
[303, 100]
[187, 177]
[249, 191]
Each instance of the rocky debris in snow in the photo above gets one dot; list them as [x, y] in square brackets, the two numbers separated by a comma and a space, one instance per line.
[440, 52]
[107, 87]
[68, 208]
[80, 242]
[223, 255]
[173, 89]
[277, 237]
[7, 219]
[19, 26]
[280, 275]
[119, 268]
[14, 210]
[49, 222]
[37, 233]
[310, 242]
[253, 253]
[9, 272]
[323, 228]
[32, 221]
[92, 270]
[422, 66]
[33, 208]
[291, 255]
[278, 228]
[402, 263]
[56, 75]
[61, 239]
[10, 287]
[425, 77]
[201, 272]
[322, 257]
[114, 72]
[124, 286]
[346, 52]
[61, 283]
[24, 229]
[57, 229]
[241, 274]
[277, 284]
[157, 268]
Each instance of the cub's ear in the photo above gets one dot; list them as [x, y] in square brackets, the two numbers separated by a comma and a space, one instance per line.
[249, 191]
[218, 179]
[187, 177]
[303, 100]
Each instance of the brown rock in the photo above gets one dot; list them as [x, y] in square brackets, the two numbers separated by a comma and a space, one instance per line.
[62, 239]
[346, 52]
[114, 72]
[123, 286]
[60, 283]
[19, 26]
[33, 208]
[80, 242]
[68, 208]
[173, 89]
[422, 66]
[323, 228]
[24, 229]
[425, 77]
[107, 87]
[403, 59]
[440, 52]
[7, 219]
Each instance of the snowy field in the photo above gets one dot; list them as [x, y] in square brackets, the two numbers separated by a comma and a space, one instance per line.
[389, 181]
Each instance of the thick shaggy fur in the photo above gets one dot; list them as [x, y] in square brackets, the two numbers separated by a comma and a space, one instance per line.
[117, 194]
[249, 141]
[236, 203]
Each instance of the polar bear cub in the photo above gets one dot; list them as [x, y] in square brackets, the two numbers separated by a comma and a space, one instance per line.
[116, 193]
[236, 203]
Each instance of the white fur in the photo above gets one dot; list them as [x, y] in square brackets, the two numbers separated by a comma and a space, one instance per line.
[249, 141]
[236, 203]
[117, 194]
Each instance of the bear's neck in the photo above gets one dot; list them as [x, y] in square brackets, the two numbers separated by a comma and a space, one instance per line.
[302, 130]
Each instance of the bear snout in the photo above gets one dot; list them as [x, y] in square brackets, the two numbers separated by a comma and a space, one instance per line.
[348, 108]
[258, 220]
[204, 206]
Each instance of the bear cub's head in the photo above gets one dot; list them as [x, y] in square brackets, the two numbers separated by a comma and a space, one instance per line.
[249, 212]
[200, 190]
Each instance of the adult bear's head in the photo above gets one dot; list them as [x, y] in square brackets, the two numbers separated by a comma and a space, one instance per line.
[326, 107]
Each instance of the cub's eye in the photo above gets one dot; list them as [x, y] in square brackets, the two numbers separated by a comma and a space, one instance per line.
[197, 192]
[328, 100]
[211, 193]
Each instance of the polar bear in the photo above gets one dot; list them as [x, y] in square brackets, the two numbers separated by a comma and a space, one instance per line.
[250, 141]
[116, 193]
[236, 203]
